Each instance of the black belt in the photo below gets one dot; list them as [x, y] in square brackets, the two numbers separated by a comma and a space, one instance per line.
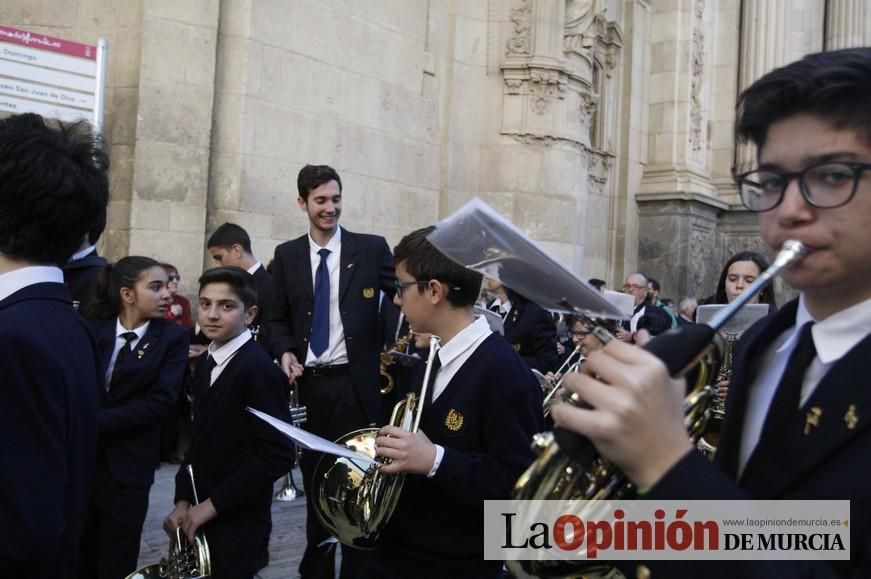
[333, 370]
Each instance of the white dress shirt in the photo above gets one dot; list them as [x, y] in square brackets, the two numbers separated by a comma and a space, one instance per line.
[120, 342]
[833, 337]
[225, 353]
[255, 267]
[452, 356]
[504, 308]
[336, 352]
[12, 281]
[82, 253]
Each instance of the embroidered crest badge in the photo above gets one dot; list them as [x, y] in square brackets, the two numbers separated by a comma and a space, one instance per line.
[368, 292]
[454, 420]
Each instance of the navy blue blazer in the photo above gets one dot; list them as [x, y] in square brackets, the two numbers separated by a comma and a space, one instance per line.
[485, 420]
[51, 374]
[145, 392]
[366, 269]
[832, 462]
[235, 455]
[80, 275]
[263, 281]
[530, 329]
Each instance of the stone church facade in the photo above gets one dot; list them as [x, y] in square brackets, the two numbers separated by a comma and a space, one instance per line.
[602, 128]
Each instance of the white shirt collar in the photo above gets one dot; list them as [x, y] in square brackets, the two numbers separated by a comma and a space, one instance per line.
[333, 244]
[83, 253]
[140, 331]
[11, 282]
[837, 334]
[225, 352]
[465, 339]
[254, 268]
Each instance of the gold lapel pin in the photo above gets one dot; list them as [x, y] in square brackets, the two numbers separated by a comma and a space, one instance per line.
[851, 418]
[812, 419]
[368, 292]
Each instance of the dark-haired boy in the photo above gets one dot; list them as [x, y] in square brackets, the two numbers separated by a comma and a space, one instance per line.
[483, 409]
[229, 246]
[236, 458]
[53, 190]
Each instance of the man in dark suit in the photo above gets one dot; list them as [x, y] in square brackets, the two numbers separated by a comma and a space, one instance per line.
[324, 332]
[53, 189]
[80, 272]
[230, 246]
[798, 419]
[528, 327]
[236, 457]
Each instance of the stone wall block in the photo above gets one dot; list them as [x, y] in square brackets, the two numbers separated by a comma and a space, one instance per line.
[175, 113]
[194, 12]
[170, 172]
[166, 44]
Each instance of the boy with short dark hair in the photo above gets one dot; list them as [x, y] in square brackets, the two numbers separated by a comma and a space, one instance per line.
[483, 408]
[236, 457]
[53, 190]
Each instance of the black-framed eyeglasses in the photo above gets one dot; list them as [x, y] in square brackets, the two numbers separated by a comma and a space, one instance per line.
[579, 334]
[824, 185]
[401, 285]
[173, 277]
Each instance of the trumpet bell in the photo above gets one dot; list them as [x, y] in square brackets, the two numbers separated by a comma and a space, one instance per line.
[354, 500]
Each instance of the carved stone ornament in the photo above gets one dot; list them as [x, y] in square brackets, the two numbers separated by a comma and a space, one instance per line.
[697, 71]
[587, 108]
[520, 44]
[545, 85]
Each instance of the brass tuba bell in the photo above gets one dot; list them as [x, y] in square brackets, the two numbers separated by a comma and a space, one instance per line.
[355, 500]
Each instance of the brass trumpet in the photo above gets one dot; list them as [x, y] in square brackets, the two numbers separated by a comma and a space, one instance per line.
[355, 501]
[570, 365]
[568, 465]
[298, 414]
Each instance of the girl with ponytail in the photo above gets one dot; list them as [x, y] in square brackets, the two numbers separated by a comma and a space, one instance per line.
[145, 360]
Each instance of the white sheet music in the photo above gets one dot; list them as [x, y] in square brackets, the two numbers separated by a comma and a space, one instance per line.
[308, 440]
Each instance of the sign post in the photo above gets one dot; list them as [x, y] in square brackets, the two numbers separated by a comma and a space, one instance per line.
[52, 77]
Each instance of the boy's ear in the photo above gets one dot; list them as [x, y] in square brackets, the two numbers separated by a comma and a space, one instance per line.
[250, 315]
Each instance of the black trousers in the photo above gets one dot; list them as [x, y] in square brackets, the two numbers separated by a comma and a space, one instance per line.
[113, 528]
[332, 409]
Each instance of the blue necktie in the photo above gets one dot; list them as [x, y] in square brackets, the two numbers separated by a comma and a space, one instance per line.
[320, 337]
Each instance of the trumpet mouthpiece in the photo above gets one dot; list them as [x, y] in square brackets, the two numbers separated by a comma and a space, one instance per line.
[791, 252]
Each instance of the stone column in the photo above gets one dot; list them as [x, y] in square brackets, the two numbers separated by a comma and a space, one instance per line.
[678, 242]
[173, 132]
[846, 24]
[765, 45]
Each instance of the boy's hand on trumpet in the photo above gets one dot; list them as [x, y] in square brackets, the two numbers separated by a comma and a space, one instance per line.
[636, 419]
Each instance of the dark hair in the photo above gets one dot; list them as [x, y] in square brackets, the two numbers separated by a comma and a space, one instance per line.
[766, 296]
[228, 235]
[237, 278]
[313, 176]
[597, 283]
[425, 262]
[168, 267]
[654, 284]
[835, 86]
[53, 188]
[107, 292]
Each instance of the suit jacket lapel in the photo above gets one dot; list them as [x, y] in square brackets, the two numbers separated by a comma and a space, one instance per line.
[794, 453]
[304, 265]
[741, 382]
[141, 355]
[348, 262]
[206, 397]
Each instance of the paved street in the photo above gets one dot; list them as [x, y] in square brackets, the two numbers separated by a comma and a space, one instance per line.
[288, 527]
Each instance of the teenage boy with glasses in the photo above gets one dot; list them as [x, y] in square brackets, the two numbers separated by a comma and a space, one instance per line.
[812, 125]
